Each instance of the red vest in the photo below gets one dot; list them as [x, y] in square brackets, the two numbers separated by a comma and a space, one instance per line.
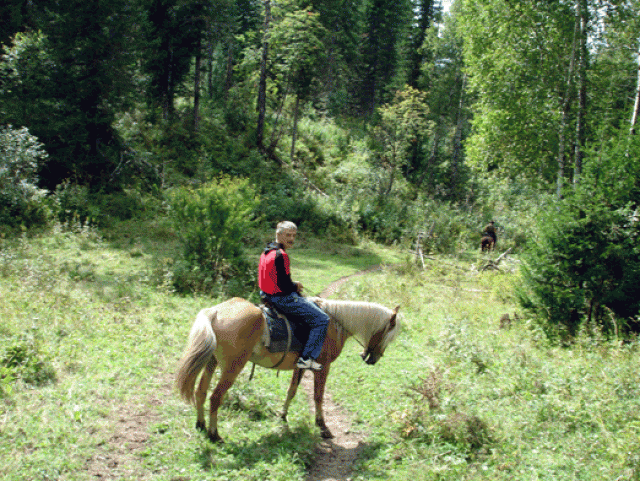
[274, 275]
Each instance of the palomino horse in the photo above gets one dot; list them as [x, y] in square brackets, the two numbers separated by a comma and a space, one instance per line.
[230, 335]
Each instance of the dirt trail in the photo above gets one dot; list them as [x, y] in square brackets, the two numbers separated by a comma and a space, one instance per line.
[131, 431]
[335, 457]
[334, 286]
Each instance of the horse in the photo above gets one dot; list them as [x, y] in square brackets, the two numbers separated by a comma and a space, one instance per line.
[487, 243]
[230, 334]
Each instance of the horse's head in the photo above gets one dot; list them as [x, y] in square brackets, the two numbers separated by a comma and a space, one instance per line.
[380, 340]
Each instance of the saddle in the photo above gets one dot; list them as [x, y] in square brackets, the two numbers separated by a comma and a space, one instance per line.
[284, 335]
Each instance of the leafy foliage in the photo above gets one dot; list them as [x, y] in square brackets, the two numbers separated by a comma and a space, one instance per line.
[402, 123]
[517, 116]
[65, 83]
[76, 203]
[21, 201]
[211, 222]
[298, 52]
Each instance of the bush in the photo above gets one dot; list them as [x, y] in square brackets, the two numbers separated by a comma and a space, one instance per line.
[514, 204]
[211, 222]
[585, 267]
[21, 201]
[311, 212]
[24, 359]
[585, 264]
[76, 203]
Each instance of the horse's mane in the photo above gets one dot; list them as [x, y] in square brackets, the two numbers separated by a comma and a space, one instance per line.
[362, 319]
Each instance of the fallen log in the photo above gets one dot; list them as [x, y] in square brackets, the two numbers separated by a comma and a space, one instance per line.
[493, 265]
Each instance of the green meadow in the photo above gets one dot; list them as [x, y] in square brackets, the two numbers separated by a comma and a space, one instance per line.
[91, 333]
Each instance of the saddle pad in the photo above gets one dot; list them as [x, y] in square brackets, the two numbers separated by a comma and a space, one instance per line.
[278, 332]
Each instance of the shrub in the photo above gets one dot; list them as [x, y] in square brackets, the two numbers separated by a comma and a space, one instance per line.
[585, 265]
[211, 222]
[514, 204]
[21, 201]
[76, 203]
[24, 359]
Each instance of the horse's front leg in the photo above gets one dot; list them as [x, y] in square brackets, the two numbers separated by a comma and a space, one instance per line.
[291, 393]
[319, 384]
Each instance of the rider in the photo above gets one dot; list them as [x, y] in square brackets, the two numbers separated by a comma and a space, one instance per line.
[276, 287]
[490, 231]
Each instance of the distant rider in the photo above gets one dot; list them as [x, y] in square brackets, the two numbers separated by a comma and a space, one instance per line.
[276, 287]
[490, 231]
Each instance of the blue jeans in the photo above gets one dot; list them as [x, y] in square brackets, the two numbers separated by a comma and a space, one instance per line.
[306, 311]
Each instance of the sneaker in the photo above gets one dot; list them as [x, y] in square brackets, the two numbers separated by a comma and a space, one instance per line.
[308, 364]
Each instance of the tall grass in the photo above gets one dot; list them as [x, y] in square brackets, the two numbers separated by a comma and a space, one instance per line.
[463, 398]
[460, 394]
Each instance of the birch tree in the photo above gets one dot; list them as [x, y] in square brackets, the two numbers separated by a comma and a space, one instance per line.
[521, 65]
[636, 104]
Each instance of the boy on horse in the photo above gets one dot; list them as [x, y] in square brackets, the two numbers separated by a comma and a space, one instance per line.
[277, 288]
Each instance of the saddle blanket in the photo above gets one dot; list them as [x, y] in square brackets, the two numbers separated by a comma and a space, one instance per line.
[278, 335]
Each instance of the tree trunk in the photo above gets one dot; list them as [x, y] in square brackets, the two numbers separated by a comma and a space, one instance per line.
[294, 134]
[262, 84]
[196, 88]
[457, 140]
[566, 107]
[636, 106]
[229, 76]
[434, 151]
[582, 12]
[167, 95]
[210, 69]
[392, 175]
[276, 132]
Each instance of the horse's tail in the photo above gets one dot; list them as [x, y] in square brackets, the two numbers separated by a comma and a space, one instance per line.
[200, 348]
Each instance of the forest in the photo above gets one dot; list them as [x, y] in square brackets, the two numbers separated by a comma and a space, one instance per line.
[357, 119]
[148, 149]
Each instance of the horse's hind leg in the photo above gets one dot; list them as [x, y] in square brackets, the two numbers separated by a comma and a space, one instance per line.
[227, 378]
[291, 393]
[201, 393]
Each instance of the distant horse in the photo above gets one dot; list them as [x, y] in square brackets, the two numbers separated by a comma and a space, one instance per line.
[487, 243]
[230, 335]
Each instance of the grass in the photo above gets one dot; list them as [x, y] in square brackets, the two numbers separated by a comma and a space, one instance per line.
[89, 339]
[469, 400]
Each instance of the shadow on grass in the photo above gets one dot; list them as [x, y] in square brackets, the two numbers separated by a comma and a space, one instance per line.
[286, 445]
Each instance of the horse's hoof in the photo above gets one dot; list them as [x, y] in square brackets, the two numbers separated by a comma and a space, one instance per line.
[215, 438]
[326, 434]
[200, 426]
